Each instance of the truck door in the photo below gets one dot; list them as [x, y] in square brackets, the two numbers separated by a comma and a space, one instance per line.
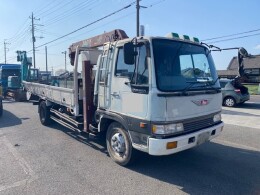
[129, 86]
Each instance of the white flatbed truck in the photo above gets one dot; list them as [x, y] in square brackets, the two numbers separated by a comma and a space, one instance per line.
[158, 95]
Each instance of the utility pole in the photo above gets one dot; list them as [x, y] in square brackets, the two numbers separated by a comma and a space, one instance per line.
[33, 37]
[137, 17]
[46, 59]
[5, 49]
[65, 53]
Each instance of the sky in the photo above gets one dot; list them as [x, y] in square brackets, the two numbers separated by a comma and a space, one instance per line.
[204, 19]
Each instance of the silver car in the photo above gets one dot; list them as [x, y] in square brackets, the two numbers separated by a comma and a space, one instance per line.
[233, 92]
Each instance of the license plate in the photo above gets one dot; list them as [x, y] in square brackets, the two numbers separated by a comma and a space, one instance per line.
[203, 137]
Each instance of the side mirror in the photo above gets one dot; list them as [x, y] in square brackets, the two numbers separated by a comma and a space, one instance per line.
[129, 53]
[242, 51]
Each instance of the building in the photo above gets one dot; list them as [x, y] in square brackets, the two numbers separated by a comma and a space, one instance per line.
[251, 67]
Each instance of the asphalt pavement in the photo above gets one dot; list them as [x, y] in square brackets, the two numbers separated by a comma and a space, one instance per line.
[35, 159]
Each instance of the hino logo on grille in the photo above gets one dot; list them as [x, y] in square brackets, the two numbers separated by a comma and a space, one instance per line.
[201, 102]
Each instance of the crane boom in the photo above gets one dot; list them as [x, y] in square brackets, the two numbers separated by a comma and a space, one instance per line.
[97, 41]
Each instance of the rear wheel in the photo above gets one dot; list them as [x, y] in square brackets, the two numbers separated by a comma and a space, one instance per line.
[229, 102]
[119, 145]
[17, 97]
[44, 113]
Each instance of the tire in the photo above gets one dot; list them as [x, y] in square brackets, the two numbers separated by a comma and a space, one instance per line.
[119, 145]
[17, 97]
[44, 114]
[1, 108]
[229, 102]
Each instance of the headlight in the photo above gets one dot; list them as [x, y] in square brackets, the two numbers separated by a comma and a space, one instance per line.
[167, 129]
[217, 118]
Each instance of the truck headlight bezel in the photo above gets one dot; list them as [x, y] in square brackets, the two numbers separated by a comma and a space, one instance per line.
[217, 118]
[167, 129]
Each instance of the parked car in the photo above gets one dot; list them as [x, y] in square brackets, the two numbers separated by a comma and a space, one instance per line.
[233, 92]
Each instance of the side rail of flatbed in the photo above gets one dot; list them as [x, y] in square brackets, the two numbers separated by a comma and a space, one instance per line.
[58, 95]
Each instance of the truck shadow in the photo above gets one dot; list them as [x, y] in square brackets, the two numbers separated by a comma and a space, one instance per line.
[234, 112]
[209, 169]
[98, 143]
[8, 119]
[247, 105]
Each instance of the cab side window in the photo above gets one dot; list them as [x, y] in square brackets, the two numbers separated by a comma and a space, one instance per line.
[138, 75]
[122, 69]
[141, 77]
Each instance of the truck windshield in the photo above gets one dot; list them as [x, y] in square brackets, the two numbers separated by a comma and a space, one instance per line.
[180, 66]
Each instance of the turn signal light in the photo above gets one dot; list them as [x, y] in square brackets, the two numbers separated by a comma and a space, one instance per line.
[171, 145]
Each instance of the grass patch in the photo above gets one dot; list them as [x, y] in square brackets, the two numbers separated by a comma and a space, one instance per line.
[253, 89]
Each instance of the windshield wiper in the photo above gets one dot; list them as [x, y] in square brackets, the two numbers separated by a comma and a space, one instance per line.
[210, 84]
[206, 82]
[191, 83]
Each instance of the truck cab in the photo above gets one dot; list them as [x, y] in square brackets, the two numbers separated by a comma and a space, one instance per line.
[163, 91]
[10, 77]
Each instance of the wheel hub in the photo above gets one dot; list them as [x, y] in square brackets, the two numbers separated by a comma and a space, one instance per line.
[229, 102]
[118, 143]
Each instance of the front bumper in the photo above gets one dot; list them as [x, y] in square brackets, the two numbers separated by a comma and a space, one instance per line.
[158, 146]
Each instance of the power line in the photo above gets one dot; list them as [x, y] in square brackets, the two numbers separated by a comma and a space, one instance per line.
[122, 17]
[11, 58]
[101, 26]
[47, 32]
[241, 37]
[41, 53]
[71, 11]
[47, 4]
[22, 30]
[59, 7]
[113, 13]
[231, 35]
[77, 9]
[57, 4]
[20, 40]
[155, 3]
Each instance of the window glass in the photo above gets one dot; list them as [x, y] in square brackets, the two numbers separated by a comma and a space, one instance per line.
[142, 67]
[180, 66]
[186, 66]
[103, 69]
[222, 84]
[122, 69]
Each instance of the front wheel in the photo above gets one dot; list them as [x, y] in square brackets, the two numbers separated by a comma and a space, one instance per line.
[44, 113]
[119, 145]
[229, 102]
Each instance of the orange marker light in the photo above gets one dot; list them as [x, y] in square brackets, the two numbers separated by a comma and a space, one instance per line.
[143, 125]
[171, 145]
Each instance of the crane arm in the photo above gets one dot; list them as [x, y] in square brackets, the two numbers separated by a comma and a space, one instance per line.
[97, 41]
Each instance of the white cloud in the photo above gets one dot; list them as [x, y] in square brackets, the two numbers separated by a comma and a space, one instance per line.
[257, 47]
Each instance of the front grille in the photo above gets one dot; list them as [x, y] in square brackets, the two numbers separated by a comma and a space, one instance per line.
[198, 124]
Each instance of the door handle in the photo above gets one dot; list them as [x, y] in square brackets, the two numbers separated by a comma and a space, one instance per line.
[115, 94]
